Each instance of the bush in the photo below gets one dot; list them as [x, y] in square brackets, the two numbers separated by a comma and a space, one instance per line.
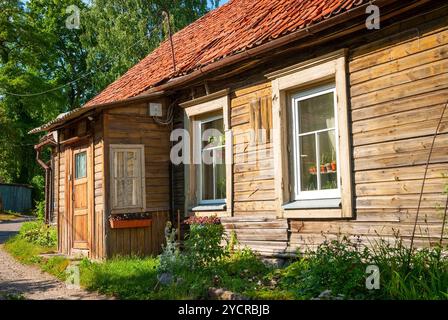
[23, 250]
[126, 278]
[340, 266]
[171, 260]
[203, 244]
[39, 211]
[38, 183]
[39, 233]
[423, 276]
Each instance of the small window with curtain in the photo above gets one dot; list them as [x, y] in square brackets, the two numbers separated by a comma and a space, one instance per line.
[127, 177]
[315, 144]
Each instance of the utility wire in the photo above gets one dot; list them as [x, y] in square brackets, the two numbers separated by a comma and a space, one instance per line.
[147, 36]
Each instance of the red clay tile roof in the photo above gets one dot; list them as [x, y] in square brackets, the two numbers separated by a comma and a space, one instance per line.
[232, 28]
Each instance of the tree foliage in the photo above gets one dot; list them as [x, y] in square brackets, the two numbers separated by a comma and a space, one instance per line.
[119, 33]
[46, 68]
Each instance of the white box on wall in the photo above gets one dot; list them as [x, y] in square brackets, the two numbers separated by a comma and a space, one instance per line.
[155, 109]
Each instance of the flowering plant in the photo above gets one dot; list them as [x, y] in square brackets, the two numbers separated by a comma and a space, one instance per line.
[203, 243]
[203, 220]
[130, 216]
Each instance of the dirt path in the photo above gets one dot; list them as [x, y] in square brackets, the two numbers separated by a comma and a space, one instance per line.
[30, 282]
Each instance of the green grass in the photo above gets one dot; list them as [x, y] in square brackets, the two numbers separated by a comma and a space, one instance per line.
[136, 278]
[29, 253]
[8, 216]
[338, 266]
[11, 296]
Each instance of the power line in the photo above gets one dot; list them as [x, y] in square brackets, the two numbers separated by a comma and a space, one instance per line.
[147, 36]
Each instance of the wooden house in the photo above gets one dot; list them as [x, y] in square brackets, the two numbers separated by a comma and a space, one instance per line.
[330, 122]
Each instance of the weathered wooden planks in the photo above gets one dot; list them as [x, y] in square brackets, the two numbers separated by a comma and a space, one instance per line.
[253, 184]
[398, 86]
[138, 241]
[267, 236]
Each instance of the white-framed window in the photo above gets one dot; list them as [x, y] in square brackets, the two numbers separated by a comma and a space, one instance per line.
[208, 184]
[127, 178]
[210, 141]
[315, 144]
[311, 139]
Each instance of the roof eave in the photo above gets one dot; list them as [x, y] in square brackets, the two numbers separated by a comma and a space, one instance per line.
[76, 113]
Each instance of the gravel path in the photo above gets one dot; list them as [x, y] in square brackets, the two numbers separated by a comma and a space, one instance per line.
[30, 282]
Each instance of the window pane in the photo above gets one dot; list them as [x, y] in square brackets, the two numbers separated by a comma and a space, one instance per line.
[316, 113]
[207, 181]
[120, 193]
[80, 165]
[119, 164]
[131, 164]
[127, 176]
[220, 173]
[130, 192]
[327, 145]
[308, 170]
[214, 137]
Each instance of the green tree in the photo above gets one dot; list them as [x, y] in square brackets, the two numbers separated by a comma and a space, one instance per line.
[39, 55]
[46, 68]
[119, 33]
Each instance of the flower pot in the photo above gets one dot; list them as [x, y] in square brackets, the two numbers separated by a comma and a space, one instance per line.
[135, 223]
[328, 167]
[322, 168]
[333, 166]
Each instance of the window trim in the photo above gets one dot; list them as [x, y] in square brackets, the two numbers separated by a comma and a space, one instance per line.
[198, 144]
[194, 110]
[321, 70]
[76, 177]
[124, 147]
[297, 194]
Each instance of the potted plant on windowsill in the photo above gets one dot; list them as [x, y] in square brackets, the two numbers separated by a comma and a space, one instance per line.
[130, 220]
[333, 166]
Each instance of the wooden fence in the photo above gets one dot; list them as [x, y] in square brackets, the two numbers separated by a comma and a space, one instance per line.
[15, 197]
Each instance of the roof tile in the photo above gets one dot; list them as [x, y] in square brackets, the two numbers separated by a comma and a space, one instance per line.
[232, 28]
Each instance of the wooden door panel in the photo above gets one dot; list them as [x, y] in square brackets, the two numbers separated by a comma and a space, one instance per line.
[80, 196]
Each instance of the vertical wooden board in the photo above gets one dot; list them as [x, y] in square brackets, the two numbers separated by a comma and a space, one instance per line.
[148, 241]
[127, 246]
[155, 225]
[141, 241]
[111, 244]
[134, 241]
[131, 242]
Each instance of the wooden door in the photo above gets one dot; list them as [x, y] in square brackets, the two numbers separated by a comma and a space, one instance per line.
[80, 198]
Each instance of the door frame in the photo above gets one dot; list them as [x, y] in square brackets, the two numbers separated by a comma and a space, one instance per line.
[69, 179]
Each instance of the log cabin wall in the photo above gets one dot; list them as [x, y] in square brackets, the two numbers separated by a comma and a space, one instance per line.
[91, 134]
[131, 124]
[98, 248]
[253, 180]
[62, 219]
[398, 87]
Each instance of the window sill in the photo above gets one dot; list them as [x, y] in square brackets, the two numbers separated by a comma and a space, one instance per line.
[313, 204]
[313, 209]
[209, 207]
